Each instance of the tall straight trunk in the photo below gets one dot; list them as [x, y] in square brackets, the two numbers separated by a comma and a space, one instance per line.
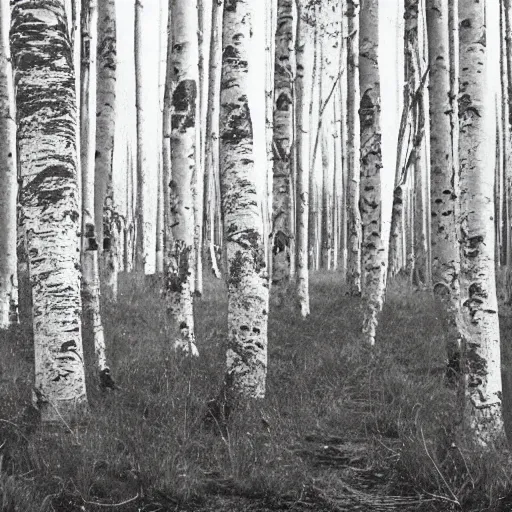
[282, 195]
[200, 161]
[327, 209]
[507, 12]
[129, 228]
[166, 142]
[90, 267]
[9, 180]
[270, 60]
[104, 207]
[304, 53]
[180, 274]
[210, 198]
[481, 344]
[373, 265]
[506, 138]
[444, 176]
[140, 205]
[46, 118]
[353, 148]
[243, 222]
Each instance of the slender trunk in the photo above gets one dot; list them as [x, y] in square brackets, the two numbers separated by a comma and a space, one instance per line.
[327, 210]
[104, 207]
[140, 206]
[373, 265]
[90, 267]
[481, 350]
[353, 148]
[243, 222]
[304, 52]
[46, 120]
[180, 274]
[198, 179]
[8, 177]
[211, 199]
[282, 212]
[444, 176]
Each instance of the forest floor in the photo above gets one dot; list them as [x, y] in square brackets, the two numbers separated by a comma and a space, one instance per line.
[343, 428]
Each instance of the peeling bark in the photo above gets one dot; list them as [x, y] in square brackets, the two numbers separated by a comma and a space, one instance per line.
[482, 418]
[373, 253]
[8, 177]
[282, 193]
[46, 119]
[183, 118]
[242, 215]
[353, 147]
[105, 130]
[444, 176]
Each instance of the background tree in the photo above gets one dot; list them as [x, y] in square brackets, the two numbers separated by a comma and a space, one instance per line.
[106, 215]
[8, 175]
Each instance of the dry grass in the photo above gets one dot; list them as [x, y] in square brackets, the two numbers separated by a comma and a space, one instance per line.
[341, 426]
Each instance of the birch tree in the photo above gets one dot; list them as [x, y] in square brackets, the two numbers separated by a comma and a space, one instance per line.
[181, 262]
[46, 118]
[282, 194]
[212, 187]
[242, 215]
[8, 177]
[481, 344]
[444, 176]
[373, 263]
[90, 268]
[106, 217]
[353, 148]
[304, 53]
[140, 205]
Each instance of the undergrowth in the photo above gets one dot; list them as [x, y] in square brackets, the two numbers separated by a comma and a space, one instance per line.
[147, 447]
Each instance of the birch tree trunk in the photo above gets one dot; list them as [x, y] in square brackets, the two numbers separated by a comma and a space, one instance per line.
[353, 148]
[90, 268]
[46, 119]
[282, 210]
[373, 263]
[304, 52]
[140, 205]
[185, 76]
[481, 349]
[243, 222]
[9, 180]
[104, 207]
[444, 176]
[211, 199]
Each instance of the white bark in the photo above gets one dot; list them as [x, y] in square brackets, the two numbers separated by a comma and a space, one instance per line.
[353, 147]
[304, 51]
[140, 206]
[211, 188]
[185, 77]
[481, 345]
[104, 206]
[46, 120]
[90, 267]
[282, 194]
[8, 177]
[373, 253]
[444, 176]
[243, 222]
